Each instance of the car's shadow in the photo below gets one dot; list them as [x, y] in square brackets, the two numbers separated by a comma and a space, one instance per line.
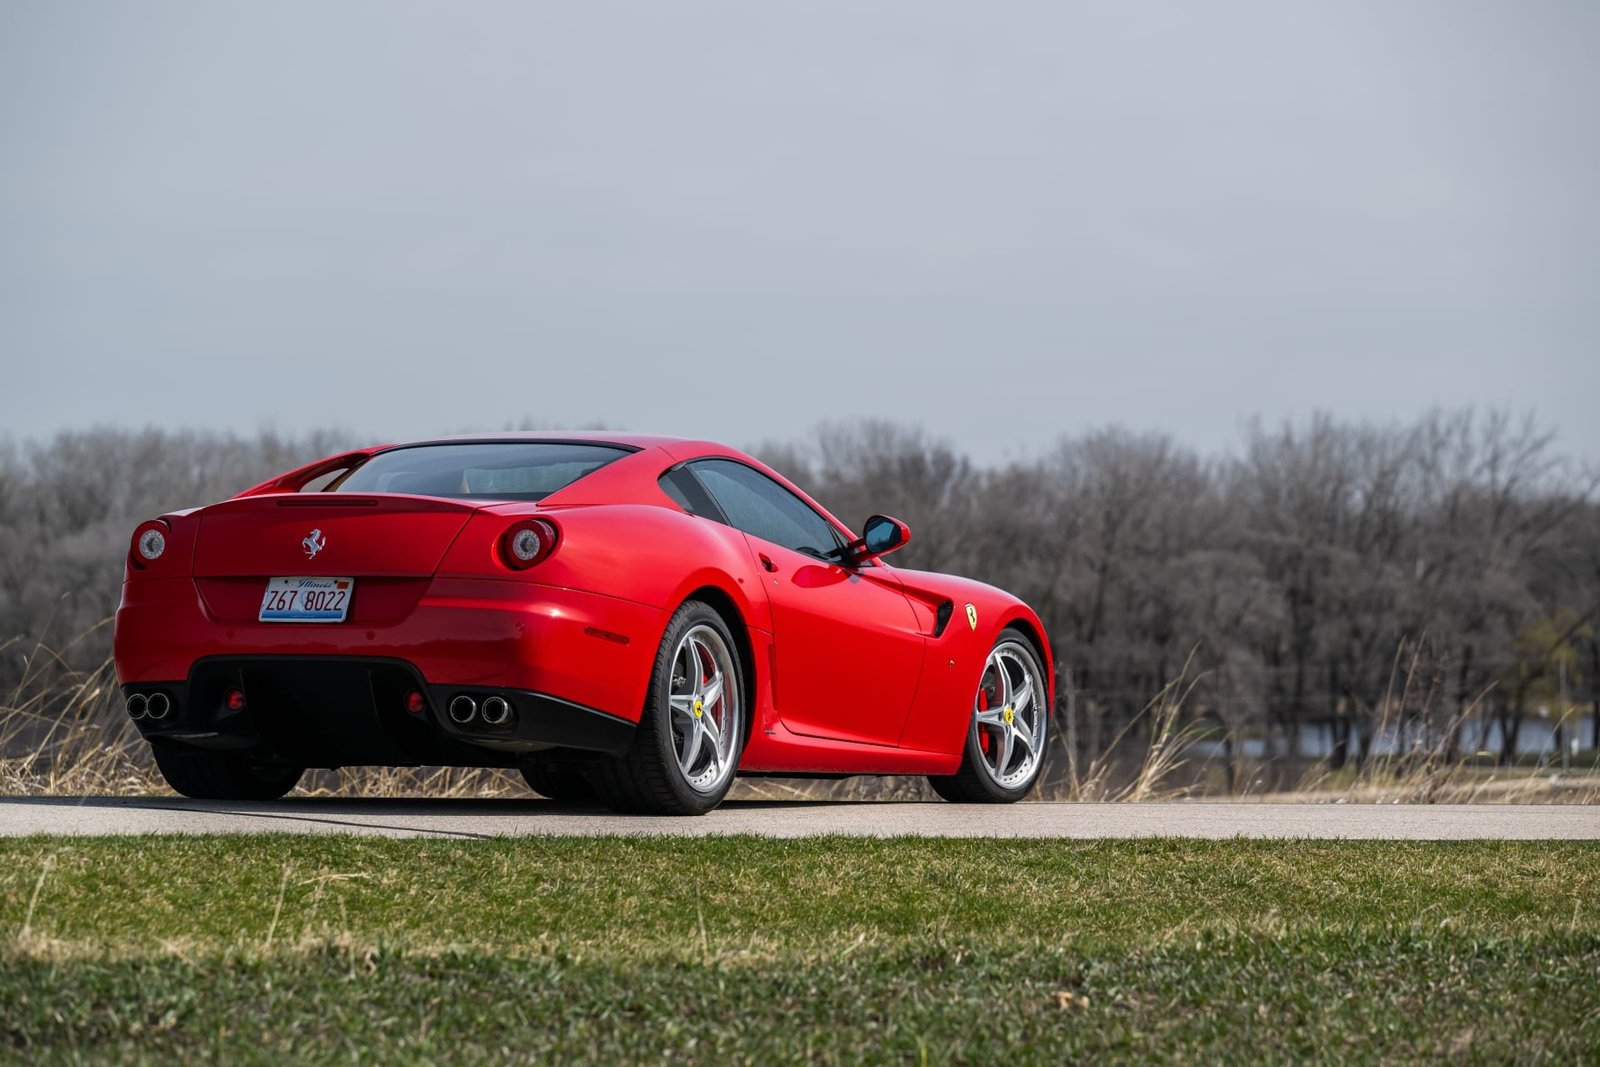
[410, 806]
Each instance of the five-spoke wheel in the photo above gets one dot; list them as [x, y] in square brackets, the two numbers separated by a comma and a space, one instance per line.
[705, 708]
[1010, 715]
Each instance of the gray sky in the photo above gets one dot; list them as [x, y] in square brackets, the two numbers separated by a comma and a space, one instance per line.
[1002, 221]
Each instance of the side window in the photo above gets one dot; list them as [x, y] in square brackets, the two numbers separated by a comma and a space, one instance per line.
[762, 508]
[670, 486]
[687, 492]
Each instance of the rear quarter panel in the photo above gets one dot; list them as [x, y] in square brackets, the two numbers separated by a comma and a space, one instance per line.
[634, 554]
[650, 555]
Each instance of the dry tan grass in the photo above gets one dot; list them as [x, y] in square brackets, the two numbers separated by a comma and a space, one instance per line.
[1165, 753]
[63, 733]
[1431, 771]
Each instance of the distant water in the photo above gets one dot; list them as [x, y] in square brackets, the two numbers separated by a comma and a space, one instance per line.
[1316, 741]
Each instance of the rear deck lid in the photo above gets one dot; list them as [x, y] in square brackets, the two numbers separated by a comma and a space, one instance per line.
[348, 535]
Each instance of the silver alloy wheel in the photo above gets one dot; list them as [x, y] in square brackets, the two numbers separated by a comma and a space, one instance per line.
[1010, 712]
[706, 706]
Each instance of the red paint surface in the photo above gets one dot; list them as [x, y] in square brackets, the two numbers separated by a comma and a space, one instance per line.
[847, 674]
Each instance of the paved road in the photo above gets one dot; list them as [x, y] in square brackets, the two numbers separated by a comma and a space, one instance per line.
[488, 818]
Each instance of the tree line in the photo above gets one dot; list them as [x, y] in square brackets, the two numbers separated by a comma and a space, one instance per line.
[1440, 575]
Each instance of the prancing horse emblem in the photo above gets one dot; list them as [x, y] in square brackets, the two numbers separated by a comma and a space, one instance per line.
[972, 616]
[314, 542]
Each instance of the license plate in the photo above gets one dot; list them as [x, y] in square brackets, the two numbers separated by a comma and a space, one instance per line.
[306, 599]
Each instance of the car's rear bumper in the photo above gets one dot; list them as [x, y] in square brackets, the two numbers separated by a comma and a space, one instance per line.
[334, 711]
[576, 648]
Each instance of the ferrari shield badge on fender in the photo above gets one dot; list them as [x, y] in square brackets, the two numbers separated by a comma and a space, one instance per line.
[972, 616]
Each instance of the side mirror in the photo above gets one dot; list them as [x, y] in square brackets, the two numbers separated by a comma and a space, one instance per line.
[880, 535]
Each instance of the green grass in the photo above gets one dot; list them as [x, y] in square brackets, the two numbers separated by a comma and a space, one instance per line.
[717, 950]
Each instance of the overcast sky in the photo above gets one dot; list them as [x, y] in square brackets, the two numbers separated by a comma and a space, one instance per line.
[1002, 221]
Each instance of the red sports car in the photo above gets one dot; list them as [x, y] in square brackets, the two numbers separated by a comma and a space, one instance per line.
[629, 618]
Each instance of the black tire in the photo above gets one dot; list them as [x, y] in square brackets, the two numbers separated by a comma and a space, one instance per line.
[564, 785]
[223, 775]
[647, 779]
[974, 783]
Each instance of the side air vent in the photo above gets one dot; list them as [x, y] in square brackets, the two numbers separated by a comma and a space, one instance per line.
[941, 617]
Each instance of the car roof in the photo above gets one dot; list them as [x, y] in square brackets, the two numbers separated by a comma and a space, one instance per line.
[598, 437]
[674, 449]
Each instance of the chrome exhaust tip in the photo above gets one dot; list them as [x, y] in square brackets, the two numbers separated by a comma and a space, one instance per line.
[137, 706]
[497, 711]
[157, 706]
[463, 709]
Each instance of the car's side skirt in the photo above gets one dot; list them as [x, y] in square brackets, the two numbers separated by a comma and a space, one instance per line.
[776, 750]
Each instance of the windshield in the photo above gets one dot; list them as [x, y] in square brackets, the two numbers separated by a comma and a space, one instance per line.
[497, 470]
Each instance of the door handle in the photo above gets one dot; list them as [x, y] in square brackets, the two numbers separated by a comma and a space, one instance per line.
[766, 561]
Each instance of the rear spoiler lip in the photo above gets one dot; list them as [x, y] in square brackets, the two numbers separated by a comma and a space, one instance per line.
[341, 502]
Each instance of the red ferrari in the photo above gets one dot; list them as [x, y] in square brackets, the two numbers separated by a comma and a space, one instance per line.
[624, 618]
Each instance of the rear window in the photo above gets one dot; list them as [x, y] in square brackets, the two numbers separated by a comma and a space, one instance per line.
[480, 471]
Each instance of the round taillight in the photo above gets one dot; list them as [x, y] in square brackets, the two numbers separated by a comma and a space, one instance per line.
[150, 542]
[234, 699]
[526, 543]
